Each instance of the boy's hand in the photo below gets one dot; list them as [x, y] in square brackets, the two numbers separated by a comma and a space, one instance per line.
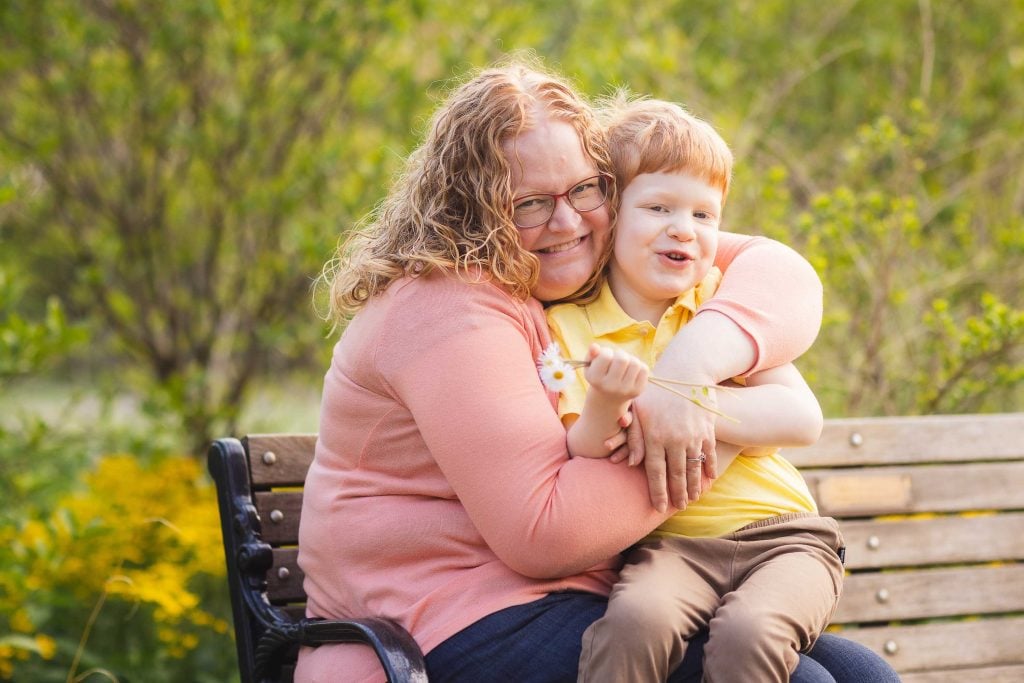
[628, 443]
[615, 378]
[618, 375]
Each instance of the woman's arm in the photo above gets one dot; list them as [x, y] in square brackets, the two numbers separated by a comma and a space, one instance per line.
[469, 379]
[774, 408]
[772, 293]
[766, 312]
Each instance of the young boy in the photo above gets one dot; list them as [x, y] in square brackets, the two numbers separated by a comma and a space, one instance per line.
[751, 560]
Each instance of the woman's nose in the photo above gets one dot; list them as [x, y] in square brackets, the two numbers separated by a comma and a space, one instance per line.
[564, 216]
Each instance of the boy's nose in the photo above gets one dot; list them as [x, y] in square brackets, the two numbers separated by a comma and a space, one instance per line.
[681, 229]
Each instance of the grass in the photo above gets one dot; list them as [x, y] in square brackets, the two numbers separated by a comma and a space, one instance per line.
[290, 405]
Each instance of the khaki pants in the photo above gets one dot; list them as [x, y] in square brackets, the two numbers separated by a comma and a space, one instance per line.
[764, 592]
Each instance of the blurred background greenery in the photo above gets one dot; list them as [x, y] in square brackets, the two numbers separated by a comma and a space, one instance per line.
[173, 175]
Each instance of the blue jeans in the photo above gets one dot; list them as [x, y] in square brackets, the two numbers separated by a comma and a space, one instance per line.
[540, 642]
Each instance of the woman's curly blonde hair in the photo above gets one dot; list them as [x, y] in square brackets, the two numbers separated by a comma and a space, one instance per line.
[451, 207]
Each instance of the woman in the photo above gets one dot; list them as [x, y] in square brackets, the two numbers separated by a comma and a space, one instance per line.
[441, 494]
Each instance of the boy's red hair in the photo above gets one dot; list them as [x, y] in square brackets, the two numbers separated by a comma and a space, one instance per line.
[655, 136]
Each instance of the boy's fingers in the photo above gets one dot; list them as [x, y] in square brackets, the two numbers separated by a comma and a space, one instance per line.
[620, 454]
[614, 442]
[626, 419]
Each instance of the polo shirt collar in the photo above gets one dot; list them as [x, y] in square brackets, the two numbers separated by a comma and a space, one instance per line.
[607, 317]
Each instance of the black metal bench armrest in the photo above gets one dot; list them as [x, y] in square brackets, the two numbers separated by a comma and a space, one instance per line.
[266, 636]
[398, 653]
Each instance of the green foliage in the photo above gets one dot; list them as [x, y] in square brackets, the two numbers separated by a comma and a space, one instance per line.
[968, 361]
[28, 344]
[124, 577]
[189, 168]
[182, 170]
[891, 239]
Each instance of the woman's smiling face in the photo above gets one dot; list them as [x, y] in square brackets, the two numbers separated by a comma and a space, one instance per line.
[549, 158]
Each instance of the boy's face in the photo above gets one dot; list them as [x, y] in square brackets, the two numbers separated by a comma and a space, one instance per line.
[665, 240]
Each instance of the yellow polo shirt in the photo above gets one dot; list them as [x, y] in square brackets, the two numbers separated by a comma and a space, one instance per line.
[752, 488]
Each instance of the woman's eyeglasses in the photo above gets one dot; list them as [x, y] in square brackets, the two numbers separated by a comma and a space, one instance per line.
[533, 210]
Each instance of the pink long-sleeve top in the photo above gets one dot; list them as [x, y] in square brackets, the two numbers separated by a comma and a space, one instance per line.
[442, 492]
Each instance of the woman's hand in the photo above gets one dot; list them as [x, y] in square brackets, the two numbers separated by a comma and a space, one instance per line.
[675, 434]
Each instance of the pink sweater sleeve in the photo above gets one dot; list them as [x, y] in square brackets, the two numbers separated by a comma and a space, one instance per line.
[461, 358]
[772, 293]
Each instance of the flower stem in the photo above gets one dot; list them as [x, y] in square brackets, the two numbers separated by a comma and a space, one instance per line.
[666, 384]
[658, 382]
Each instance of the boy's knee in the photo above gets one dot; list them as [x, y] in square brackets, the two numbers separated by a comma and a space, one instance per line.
[644, 611]
[750, 641]
[634, 635]
[742, 631]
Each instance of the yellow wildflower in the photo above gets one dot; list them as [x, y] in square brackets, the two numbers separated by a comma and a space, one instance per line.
[47, 646]
[20, 622]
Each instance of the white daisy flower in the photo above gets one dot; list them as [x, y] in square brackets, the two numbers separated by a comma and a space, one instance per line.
[550, 356]
[557, 375]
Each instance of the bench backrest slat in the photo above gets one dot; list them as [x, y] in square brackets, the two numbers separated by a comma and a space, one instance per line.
[278, 465]
[279, 459]
[931, 593]
[847, 442]
[953, 646]
[279, 511]
[935, 540]
[285, 587]
[907, 490]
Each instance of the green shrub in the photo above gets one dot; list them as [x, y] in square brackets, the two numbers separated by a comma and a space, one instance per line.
[124, 578]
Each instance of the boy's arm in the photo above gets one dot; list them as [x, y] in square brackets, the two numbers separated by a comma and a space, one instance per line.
[615, 378]
[775, 408]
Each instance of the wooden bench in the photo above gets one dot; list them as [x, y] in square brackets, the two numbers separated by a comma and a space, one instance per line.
[932, 509]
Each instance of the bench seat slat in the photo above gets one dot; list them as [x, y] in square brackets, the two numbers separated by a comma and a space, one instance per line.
[927, 488]
[943, 539]
[994, 644]
[992, 674]
[917, 439]
[928, 593]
